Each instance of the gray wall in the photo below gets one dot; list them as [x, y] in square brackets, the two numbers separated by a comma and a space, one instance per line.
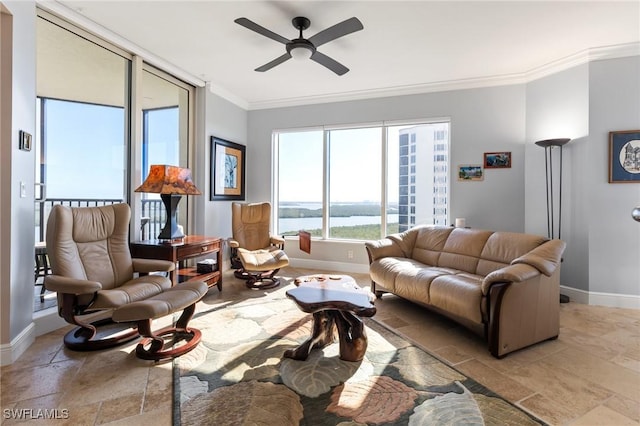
[17, 224]
[614, 238]
[482, 120]
[225, 120]
[602, 260]
[558, 107]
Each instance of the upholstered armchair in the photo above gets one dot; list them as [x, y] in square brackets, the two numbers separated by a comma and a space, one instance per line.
[110, 297]
[255, 253]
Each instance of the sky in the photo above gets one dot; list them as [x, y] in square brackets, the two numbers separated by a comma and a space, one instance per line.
[86, 152]
[351, 176]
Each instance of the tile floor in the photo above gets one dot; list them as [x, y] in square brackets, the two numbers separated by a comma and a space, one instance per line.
[590, 375]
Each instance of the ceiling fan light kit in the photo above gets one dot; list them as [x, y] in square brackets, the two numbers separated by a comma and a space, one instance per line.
[302, 48]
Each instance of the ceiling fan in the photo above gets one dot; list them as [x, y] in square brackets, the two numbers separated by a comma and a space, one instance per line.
[306, 48]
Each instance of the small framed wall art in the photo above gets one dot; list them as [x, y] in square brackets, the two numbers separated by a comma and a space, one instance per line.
[470, 172]
[24, 140]
[227, 170]
[624, 156]
[497, 160]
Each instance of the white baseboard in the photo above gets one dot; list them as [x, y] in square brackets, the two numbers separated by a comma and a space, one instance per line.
[603, 299]
[9, 353]
[346, 267]
[48, 320]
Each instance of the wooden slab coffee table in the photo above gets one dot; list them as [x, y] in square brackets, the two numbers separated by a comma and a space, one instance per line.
[336, 302]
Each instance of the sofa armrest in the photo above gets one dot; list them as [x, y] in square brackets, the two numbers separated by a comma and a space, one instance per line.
[147, 266]
[383, 248]
[67, 285]
[545, 258]
[509, 274]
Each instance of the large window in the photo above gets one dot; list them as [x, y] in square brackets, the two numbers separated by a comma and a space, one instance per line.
[301, 167]
[361, 182]
[83, 109]
[166, 103]
[84, 148]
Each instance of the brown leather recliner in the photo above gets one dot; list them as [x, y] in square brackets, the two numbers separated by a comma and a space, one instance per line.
[255, 253]
[98, 284]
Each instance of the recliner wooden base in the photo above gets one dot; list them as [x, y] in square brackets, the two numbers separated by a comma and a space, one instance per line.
[259, 279]
[154, 347]
[82, 339]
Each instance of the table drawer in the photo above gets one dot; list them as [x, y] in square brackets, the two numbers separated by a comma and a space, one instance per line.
[192, 250]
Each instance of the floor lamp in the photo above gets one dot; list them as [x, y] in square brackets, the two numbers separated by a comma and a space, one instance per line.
[549, 145]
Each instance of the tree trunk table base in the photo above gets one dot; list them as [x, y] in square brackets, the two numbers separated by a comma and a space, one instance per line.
[336, 303]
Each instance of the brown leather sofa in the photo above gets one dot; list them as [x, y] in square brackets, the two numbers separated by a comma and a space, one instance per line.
[502, 285]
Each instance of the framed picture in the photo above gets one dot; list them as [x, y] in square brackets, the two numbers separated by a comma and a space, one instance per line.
[25, 140]
[227, 170]
[497, 160]
[624, 156]
[470, 172]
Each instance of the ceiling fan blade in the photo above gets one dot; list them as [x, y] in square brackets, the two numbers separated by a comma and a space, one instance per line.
[332, 64]
[261, 30]
[276, 61]
[343, 28]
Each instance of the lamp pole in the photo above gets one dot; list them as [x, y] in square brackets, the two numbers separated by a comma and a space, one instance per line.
[549, 145]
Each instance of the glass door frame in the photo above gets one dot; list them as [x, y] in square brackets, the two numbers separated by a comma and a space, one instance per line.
[137, 131]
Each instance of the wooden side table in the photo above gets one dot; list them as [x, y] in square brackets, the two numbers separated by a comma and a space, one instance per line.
[336, 302]
[177, 251]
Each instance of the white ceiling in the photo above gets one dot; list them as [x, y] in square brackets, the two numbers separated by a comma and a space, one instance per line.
[405, 47]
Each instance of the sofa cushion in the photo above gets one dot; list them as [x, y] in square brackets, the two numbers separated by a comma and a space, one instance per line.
[503, 247]
[429, 244]
[386, 270]
[463, 248]
[414, 283]
[139, 288]
[459, 294]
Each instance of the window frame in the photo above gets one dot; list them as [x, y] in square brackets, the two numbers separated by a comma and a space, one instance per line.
[384, 189]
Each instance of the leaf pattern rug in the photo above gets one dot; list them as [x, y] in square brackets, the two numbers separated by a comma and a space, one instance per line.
[237, 376]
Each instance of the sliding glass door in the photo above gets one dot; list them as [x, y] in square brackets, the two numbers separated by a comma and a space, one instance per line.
[104, 116]
[166, 129]
[82, 135]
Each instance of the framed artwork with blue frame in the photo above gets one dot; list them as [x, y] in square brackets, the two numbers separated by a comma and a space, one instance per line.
[624, 156]
[227, 170]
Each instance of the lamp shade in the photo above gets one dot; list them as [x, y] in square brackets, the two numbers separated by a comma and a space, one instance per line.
[163, 179]
[171, 182]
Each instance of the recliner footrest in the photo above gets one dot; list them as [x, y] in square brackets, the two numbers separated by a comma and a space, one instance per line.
[165, 303]
[263, 260]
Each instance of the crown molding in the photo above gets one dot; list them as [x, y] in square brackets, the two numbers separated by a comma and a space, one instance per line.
[441, 86]
[580, 58]
[584, 57]
[225, 94]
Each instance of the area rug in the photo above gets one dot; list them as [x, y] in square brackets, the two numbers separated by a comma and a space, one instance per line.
[238, 376]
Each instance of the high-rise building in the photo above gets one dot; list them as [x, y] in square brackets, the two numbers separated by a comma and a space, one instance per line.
[423, 175]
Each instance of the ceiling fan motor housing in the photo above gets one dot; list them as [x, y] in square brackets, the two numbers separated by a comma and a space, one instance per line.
[301, 23]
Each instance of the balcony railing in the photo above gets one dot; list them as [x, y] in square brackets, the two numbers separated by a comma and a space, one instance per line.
[153, 214]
